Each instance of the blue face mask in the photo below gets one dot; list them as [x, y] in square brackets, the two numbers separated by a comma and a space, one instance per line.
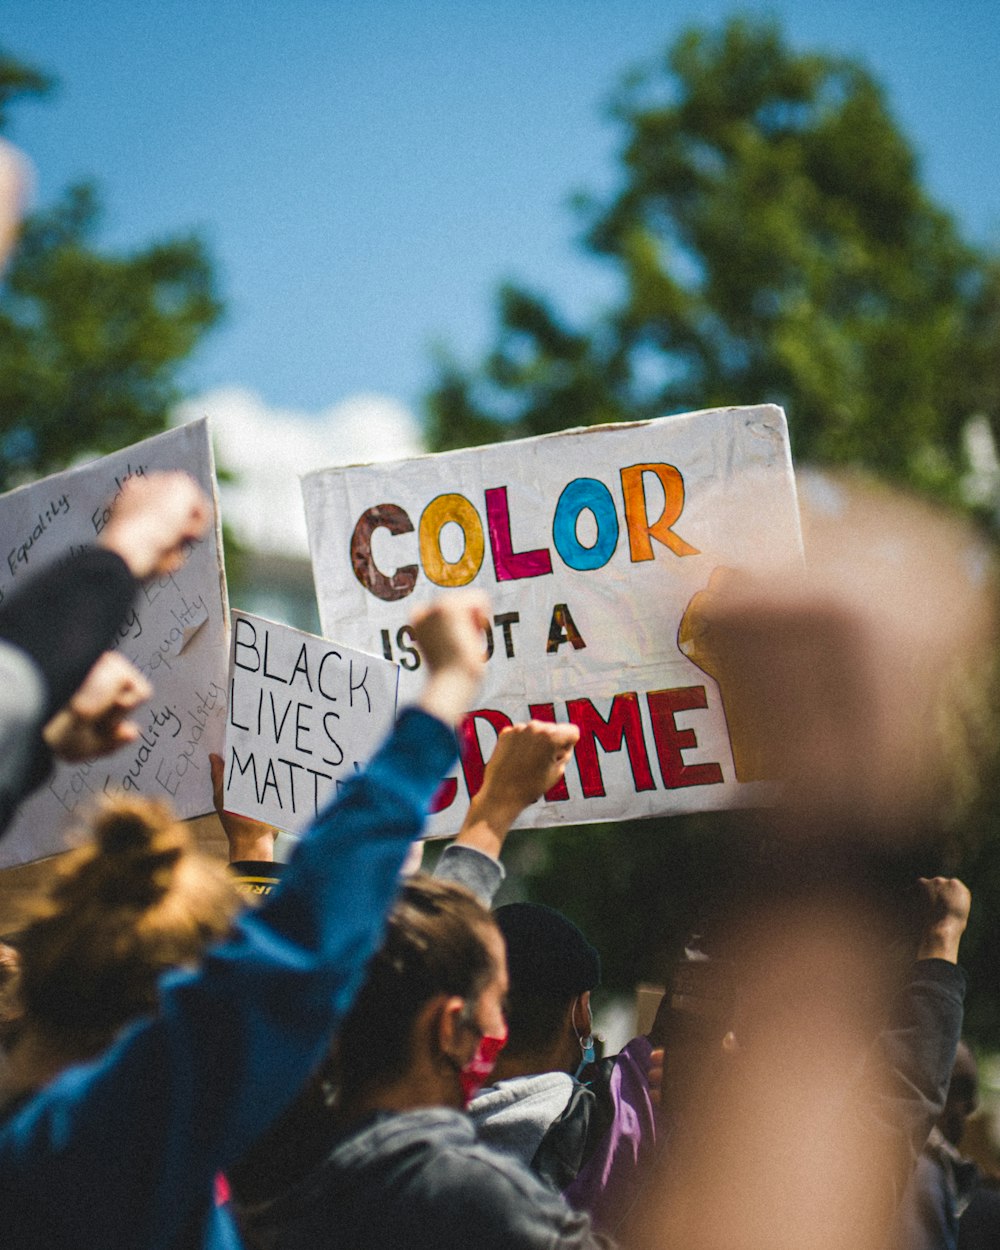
[586, 1044]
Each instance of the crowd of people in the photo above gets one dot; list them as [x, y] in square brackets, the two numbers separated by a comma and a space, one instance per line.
[346, 1051]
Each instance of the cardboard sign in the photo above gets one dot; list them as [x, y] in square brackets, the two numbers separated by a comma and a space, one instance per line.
[593, 546]
[175, 633]
[304, 715]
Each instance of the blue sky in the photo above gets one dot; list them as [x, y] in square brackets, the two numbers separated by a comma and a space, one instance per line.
[367, 171]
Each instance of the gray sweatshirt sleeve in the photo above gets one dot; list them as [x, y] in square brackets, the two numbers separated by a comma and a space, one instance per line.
[22, 710]
[477, 871]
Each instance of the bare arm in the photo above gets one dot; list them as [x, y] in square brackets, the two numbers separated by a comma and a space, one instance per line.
[248, 839]
[529, 759]
[449, 633]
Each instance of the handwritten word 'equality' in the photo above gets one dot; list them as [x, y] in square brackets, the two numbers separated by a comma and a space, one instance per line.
[101, 516]
[18, 554]
[160, 725]
[170, 773]
[186, 616]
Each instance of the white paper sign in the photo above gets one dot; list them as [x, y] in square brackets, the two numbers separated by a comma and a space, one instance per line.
[175, 633]
[592, 546]
[304, 715]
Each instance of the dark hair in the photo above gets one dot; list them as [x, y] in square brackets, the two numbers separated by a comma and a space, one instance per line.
[549, 962]
[434, 944]
[136, 901]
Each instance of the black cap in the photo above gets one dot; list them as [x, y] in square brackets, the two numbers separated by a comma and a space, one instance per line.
[546, 952]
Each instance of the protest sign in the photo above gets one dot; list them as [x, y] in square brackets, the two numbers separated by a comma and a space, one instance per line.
[175, 633]
[304, 715]
[593, 546]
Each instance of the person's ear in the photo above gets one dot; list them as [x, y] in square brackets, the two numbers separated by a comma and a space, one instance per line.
[453, 1033]
[580, 1014]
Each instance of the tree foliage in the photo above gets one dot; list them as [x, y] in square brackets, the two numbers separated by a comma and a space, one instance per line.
[774, 243]
[90, 341]
[18, 79]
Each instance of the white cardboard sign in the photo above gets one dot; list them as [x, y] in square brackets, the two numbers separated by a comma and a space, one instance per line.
[175, 633]
[592, 545]
[304, 715]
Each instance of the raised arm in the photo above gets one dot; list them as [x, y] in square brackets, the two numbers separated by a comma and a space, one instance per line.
[528, 760]
[96, 721]
[183, 1095]
[906, 1078]
[947, 903]
[249, 840]
[449, 633]
[57, 625]
[154, 520]
[66, 616]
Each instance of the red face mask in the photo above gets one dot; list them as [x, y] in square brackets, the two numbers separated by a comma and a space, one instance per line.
[474, 1074]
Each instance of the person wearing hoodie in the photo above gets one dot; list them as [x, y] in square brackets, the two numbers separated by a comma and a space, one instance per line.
[121, 1149]
[61, 691]
[403, 1166]
[588, 1128]
[588, 1138]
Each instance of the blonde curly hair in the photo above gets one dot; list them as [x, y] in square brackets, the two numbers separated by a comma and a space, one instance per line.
[138, 899]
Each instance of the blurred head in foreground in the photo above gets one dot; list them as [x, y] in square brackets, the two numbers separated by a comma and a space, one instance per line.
[15, 188]
[137, 900]
[862, 685]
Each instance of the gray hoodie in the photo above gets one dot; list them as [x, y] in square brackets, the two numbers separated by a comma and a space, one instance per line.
[514, 1115]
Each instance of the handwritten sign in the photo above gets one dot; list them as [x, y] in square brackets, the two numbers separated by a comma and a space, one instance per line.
[175, 633]
[593, 546]
[304, 715]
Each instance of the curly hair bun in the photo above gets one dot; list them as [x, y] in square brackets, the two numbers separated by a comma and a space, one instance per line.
[139, 843]
[137, 899]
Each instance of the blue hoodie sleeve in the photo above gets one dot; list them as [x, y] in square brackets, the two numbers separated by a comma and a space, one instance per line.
[122, 1152]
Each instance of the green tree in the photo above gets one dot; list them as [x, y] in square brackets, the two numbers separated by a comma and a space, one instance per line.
[774, 243]
[18, 79]
[90, 342]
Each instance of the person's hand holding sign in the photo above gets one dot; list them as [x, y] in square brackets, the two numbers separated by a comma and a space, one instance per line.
[248, 839]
